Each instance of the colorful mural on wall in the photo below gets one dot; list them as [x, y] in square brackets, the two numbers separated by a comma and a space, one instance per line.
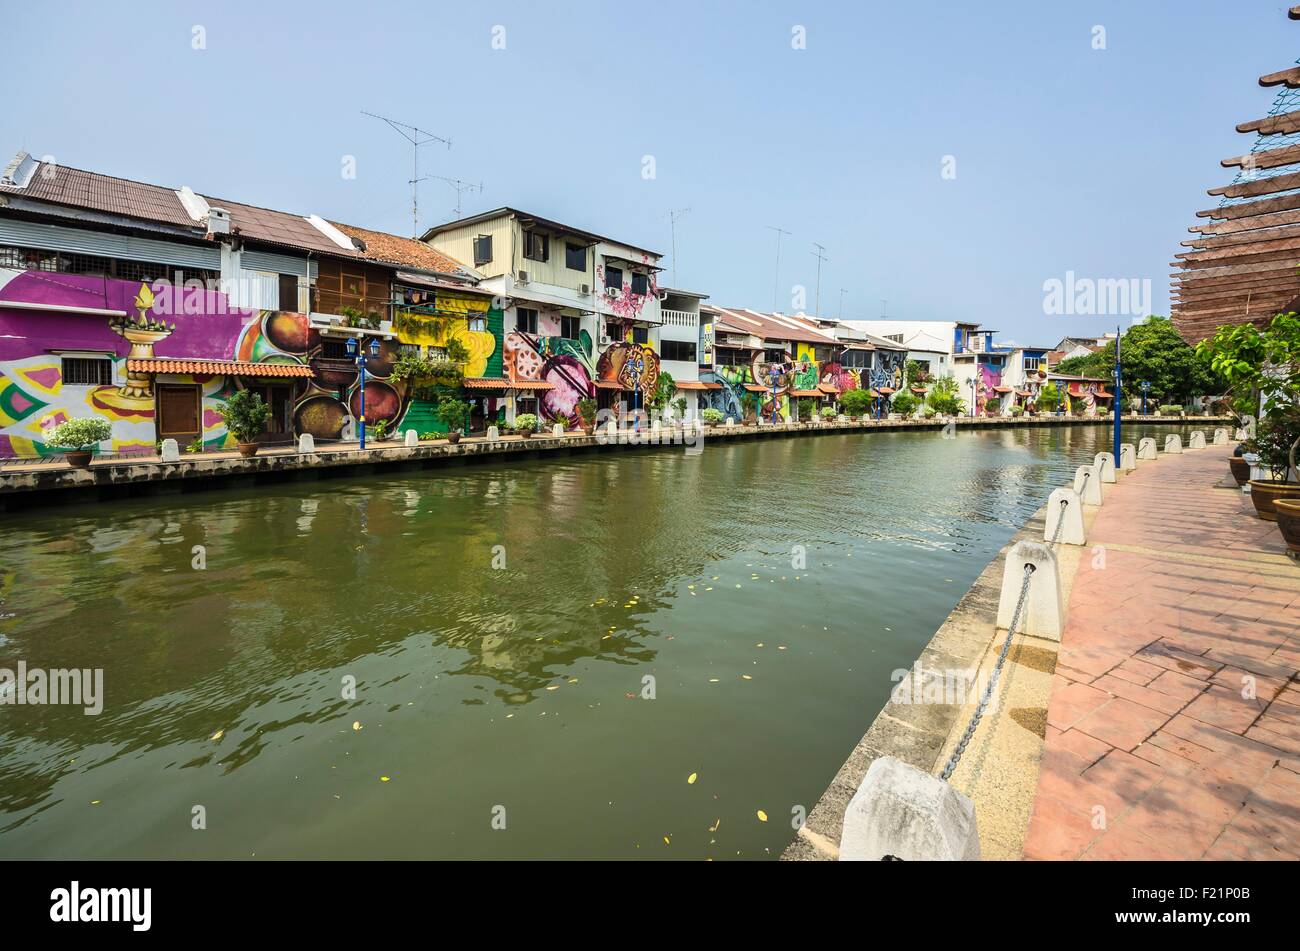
[568, 365]
[152, 321]
[986, 396]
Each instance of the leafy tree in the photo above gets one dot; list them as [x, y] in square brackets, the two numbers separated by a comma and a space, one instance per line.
[943, 397]
[1153, 351]
[1049, 397]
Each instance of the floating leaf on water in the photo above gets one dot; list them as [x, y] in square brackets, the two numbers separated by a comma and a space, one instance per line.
[384, 779]
[762, 816]
[356, 724]
[218, 735]
[691, 778]
[746, 677]
[714, 827]
[713, 680]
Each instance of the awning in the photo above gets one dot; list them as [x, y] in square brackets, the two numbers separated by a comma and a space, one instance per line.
[918, 389]
[828, 389]
[608, 385]
[1001, 389]
[755, 388]
[1025, 393]
[804, 394]
[1103, 395]
[696, 385]
[485, 383]
[860, 346]
[529, 385]
[886, 390]
[217, 367]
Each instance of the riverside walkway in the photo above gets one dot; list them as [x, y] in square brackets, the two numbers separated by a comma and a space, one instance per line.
[1173, 729]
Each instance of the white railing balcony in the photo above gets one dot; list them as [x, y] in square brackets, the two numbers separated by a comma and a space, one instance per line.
[680, 318]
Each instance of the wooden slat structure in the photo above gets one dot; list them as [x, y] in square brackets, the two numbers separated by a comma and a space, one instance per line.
[1243, 263]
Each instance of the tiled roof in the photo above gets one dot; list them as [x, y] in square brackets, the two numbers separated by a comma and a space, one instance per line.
[77, 188]
[217, 367]
[770, 326]
[484, 383]
[404, 251]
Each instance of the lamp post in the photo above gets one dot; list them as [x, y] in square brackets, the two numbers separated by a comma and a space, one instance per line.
[974, 389]
[1117, 399]
[1145, 386]
[358, 355]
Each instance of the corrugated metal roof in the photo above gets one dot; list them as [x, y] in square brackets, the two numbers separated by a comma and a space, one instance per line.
[407, 252]
[78, 188]
[769, 326]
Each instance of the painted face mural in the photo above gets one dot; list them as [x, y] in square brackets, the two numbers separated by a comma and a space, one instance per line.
[985, 394]
[843, 378]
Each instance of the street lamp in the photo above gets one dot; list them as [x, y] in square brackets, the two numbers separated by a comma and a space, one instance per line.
[1145, 386]
[974, 385]
[358, 355]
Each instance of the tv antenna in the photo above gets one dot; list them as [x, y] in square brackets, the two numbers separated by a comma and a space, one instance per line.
[820, 255]
[776, 275]
[460, 186]
[417, 138]
[673, 217]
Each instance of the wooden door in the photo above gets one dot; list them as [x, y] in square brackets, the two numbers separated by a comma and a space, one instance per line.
[179, 413]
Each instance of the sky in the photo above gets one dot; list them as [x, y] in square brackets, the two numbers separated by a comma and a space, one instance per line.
[950, 157]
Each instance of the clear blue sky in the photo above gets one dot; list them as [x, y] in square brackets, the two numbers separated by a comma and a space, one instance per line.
[1067, 158]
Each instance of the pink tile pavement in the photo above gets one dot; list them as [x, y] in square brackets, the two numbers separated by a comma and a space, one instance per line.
[1174, 724]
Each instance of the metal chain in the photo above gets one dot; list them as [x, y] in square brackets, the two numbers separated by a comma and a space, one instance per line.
[1060, 522]
[993, 680]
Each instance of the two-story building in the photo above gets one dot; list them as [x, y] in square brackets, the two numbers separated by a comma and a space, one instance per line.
[582, 311]
[149, 306]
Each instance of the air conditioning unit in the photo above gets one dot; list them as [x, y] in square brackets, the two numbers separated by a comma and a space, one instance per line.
[606, 340]
[584, 289]
[611, 291]
[522, 278]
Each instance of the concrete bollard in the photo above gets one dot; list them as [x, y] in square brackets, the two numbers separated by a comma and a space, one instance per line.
[1196, 440]
[1173, 443]
[903, 812]
[493, 434]
[1104, 463]
[1087, 484]
[306, 443]
[171, 452]
[1127, 457]
[1044, 612]
[1220, 437]
[1146, 448]
[611, 428]
[1069, 518]
[557, 429]
[411, 439]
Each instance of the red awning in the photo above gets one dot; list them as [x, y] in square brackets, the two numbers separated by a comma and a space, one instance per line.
[485, 383]
[1001, 389]
[696, 385]
[529, 385]
[805, 394]
[216, 367]
[755, 388]
[608, 385]
[918, 389]
[828, 389]
[886, 390]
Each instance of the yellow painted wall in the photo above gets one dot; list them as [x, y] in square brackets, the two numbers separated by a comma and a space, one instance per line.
[458, 243]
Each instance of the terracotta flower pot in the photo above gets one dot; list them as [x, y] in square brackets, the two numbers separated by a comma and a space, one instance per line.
[588, 430]
[453, 437]
[1240, 469]
[1264, 494]
[247, 449]
[78, 458]
[1288, 522]
[526, 433]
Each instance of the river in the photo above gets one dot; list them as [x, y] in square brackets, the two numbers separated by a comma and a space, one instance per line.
[616, 655]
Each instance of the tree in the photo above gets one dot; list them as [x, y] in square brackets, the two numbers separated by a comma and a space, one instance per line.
[943, 398]
[1153, 351]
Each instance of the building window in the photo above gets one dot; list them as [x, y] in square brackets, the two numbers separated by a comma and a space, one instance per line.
[575, 257]
[482, 250]
[408, 349]
[569, 327]
[614, 330]
[537, 247]
[437, 353]
[87, 371]
[897, 338]
[289, 292]
[477, 324]
[331, 348]
[1032, 364]
[614, 278]
[682, 350]
[640, 284]
[640, 334]
[775, 356]
[526, 320]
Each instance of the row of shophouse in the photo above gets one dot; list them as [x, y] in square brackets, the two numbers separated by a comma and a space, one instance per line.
[151, 306]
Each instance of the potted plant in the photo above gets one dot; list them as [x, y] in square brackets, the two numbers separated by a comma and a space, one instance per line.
[454, 413]
[504, 427]
[1275, 441]
[749, 404]
[246, 416]
[828, 414]
[679, 409]
[855, 402]
[587, 413]
[526, 425]
[1171, 410]
[79, 438]
[903, 403]
[712, 417]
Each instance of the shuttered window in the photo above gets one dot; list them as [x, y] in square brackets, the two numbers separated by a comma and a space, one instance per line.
[87, 371]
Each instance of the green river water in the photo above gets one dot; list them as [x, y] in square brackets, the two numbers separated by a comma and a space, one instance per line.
[515, 693]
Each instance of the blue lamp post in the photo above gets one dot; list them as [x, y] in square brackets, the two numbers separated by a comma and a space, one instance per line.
[1117, 399]
[974, 392]
[1145, 386]
[358, 355]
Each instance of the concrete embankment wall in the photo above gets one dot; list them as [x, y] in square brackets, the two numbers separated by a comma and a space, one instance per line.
[51, 482]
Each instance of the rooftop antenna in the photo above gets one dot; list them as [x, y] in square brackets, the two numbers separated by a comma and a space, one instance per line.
[673, 215]
[842, 293]
[417, 138]
[884, 308]
[820, 255]
[776, 273]
[460, 186]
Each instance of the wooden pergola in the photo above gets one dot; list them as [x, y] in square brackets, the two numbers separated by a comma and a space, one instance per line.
[1243, 265]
